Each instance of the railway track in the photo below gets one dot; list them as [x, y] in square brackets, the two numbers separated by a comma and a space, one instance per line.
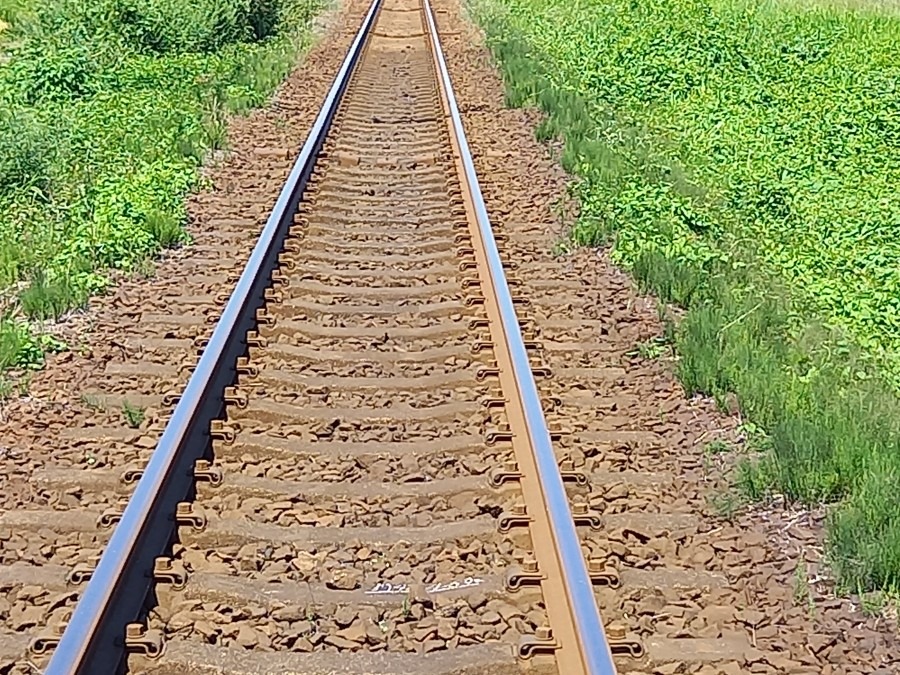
[358, 476]
[407, 445]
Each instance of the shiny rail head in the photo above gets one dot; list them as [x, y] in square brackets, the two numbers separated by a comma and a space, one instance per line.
[593, 643]
[94, 640]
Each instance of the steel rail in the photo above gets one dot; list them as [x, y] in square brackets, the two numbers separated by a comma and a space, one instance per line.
[93, 642]
[596, 655]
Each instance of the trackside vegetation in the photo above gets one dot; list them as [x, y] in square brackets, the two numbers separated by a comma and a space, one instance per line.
[107, 109]
[741, 157]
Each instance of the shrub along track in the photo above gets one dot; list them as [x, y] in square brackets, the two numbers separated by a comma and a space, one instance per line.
[368, 352]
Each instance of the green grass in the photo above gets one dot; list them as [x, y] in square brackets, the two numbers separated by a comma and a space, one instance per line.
[741, 159]
[107, 109]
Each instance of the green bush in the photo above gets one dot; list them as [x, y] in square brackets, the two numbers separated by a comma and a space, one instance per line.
[742, 159]
[166, 26]
[53, 72]
[107, 109]
[26, 150]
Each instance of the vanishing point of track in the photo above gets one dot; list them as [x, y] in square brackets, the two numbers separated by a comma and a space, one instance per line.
[362, 443]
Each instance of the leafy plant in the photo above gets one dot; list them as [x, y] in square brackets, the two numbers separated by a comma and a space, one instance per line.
[21, 348]
[717, 447]
[650, 349]
[107, 109]
[54, 72]
[134, 415]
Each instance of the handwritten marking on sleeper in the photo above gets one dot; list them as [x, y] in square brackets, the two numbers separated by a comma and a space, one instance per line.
[387, 588]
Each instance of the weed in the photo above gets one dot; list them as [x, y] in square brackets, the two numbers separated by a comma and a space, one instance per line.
[215, 121]
[11, 387]
[873, 603]
[406, 607]
[7, 388]
[802, 593]
[134, 415]
[165, 229]
[717, 447]
[725, 505]
[651, 349]
[23, 383]
[18, 346]
[46, 298]
[93, 402]
[561, 248]
[145, 269]
[26, 151]
[668, 324]
[801, 583]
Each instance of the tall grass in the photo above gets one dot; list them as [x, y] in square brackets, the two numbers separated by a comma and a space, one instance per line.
[739, 157]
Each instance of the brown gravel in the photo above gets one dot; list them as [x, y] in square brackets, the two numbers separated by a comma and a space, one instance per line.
[693, 573]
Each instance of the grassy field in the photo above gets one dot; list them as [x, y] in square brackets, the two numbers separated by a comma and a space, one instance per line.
[742, 159]
[107, 109]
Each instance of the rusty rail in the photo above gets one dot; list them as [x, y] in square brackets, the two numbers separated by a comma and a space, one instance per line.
[579, 640]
